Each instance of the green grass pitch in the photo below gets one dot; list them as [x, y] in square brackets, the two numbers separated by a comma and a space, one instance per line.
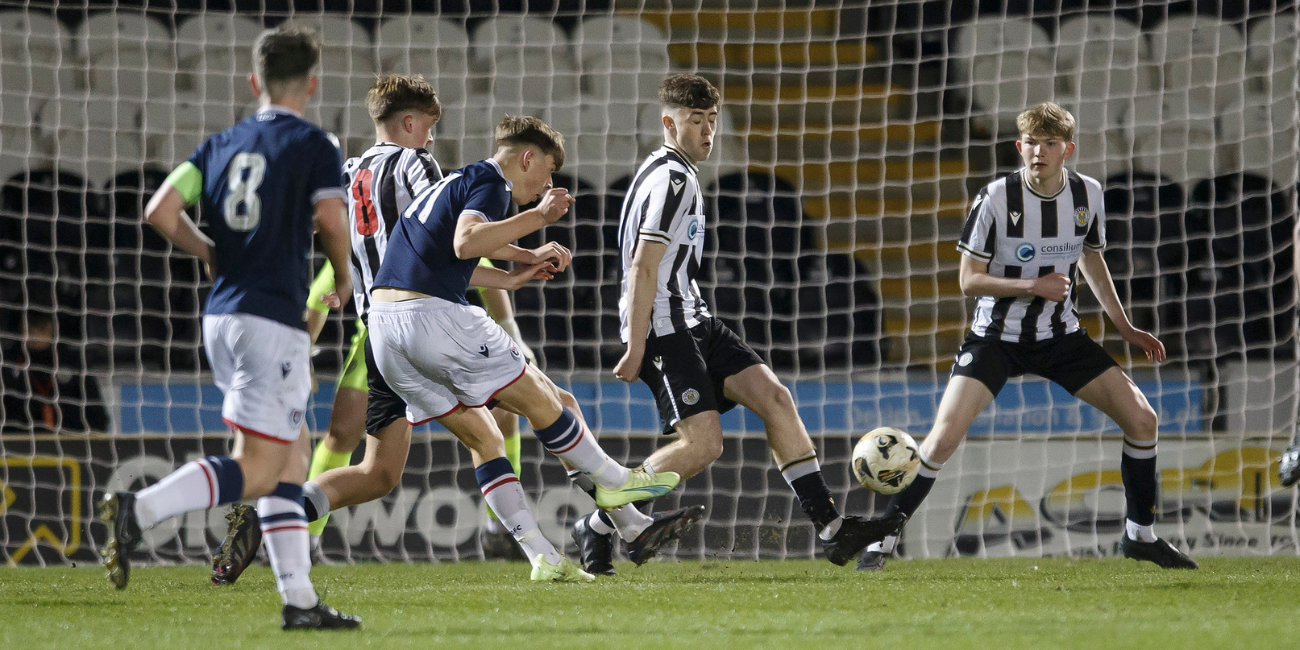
[950, 604]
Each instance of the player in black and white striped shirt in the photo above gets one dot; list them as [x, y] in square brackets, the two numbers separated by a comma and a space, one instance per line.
[1025, 238]
[695, 365]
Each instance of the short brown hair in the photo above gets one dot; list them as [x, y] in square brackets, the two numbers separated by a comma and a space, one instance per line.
[688, 91]
[530, 131]
[284, 55]
[394, 94]
[1047, 119]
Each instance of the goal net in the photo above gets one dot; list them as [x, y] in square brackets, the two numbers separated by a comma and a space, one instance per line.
[851, 141]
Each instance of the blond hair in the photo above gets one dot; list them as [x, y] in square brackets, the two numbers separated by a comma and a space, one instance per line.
[394, 94]
[529, 131]
[1047, 119]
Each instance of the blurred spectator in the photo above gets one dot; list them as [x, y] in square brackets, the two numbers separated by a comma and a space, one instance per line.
[39, 394]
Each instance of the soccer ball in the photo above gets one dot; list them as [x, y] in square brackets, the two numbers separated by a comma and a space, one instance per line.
[886, 460]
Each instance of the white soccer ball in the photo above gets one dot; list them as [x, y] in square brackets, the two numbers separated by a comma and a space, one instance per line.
[886, 460]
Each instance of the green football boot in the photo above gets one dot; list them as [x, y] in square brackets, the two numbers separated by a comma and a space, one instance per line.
[640, 486]
[565, 571]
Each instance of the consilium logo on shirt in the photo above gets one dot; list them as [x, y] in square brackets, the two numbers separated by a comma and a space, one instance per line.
[1025, 252]
[1058, 250]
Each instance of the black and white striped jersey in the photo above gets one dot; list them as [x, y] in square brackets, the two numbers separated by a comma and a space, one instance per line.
[381, 183]
[664, 205]
[1022, 234]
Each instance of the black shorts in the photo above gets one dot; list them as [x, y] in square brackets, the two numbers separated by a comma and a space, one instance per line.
[383, 406]
[685, 370]
[1072, 360]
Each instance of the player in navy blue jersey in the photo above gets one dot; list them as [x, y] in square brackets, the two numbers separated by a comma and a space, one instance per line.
[263, 185]
[447, 360]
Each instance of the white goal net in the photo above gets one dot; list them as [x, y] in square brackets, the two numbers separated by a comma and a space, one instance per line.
[852, 138]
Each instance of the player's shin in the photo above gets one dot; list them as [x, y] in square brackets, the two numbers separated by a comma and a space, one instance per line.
[203, 483]
[805, 477]
[910, 498]
[568, 439]
[284, 532]
[1137, 467]
[501, 490]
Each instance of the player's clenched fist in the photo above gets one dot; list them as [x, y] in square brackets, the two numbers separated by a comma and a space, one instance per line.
[555, 204]
[1054, 287]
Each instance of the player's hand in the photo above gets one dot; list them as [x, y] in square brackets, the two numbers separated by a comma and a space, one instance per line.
[1154, 349]
[552, 252]
[629, 367]
[555, 204]
[338, 298]
[1054, 287]
[527, 273]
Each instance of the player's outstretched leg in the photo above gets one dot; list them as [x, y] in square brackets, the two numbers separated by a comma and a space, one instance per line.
[842, 537]
[1114, 394]
[963, 400]
[564, 435]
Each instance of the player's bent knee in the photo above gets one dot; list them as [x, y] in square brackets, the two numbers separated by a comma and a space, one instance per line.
[1145, 425]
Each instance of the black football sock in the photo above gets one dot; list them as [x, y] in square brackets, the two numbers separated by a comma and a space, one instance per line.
[911, 497]
[805, 477]
[1137, 468]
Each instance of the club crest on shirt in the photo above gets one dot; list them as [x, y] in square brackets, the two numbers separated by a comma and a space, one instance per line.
[1081, 216]
[690, 397]
[1025, 252]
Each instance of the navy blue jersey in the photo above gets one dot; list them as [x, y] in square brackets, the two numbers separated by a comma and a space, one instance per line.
[261, 180]
[420, 254]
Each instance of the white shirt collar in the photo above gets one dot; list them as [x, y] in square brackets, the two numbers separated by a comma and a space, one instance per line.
[276, 108]
[497, 166]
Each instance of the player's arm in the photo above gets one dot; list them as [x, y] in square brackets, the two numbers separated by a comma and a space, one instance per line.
[551, 251]
[973, 274]
[166, 212]
[317, 310]
[642, 284]
[478, 237]
[332, 225]
[1097, 273]
[486, 277]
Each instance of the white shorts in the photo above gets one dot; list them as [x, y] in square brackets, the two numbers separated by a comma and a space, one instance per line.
[439, 356]
[261, 367]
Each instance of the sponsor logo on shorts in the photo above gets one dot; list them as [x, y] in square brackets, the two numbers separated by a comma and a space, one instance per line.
[285, 369]
[514, 352]
[1025, 252]
[690, 397]
[295, 417]
[965, 359]
[483, 350]
[693, 229]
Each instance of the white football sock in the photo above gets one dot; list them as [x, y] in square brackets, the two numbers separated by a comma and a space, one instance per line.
[284, 531]
[506, 498]
[1139, 533]
[193, 486]
[629, 522]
